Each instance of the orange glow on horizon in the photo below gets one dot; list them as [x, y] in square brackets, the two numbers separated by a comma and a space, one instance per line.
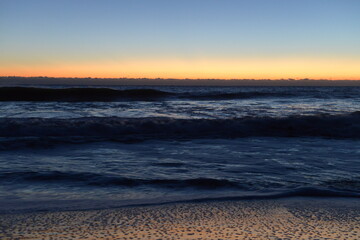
[197, 69]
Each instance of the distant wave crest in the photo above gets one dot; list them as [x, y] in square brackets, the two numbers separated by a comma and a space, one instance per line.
[77, 94]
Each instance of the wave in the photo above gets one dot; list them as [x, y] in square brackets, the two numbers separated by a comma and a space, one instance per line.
[236, 95]
[31, 206]
[77, 94]
[298, 192]
[99, 180]
[110, 94]
[344, 184]
[325, 189]
[36, 131]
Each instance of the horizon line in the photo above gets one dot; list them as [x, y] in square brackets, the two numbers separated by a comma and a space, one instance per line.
[192, 79]
[90, 81]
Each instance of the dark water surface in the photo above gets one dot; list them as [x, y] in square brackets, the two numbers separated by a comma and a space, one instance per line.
[133, 145]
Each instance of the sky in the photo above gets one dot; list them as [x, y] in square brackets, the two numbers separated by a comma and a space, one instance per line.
[227, 39]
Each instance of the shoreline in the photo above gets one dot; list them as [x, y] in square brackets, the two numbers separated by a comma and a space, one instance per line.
[290, 218]
[32, 206]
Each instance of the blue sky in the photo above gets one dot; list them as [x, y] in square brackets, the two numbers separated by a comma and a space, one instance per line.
[42, 32]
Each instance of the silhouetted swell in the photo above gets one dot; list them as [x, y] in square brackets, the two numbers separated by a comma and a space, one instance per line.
[16, 130]
[77, 94]
[109, 94]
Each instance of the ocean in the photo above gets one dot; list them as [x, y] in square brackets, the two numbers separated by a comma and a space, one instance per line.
[92, 147]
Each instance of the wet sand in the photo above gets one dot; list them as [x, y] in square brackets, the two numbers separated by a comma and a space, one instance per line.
[300, 218]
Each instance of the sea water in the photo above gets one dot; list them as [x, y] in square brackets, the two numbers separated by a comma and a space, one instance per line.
[94, 147]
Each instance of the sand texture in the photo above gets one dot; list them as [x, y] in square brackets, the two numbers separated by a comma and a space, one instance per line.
[266, 219]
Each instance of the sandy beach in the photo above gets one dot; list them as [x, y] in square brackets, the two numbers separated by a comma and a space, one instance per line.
[298, 218]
